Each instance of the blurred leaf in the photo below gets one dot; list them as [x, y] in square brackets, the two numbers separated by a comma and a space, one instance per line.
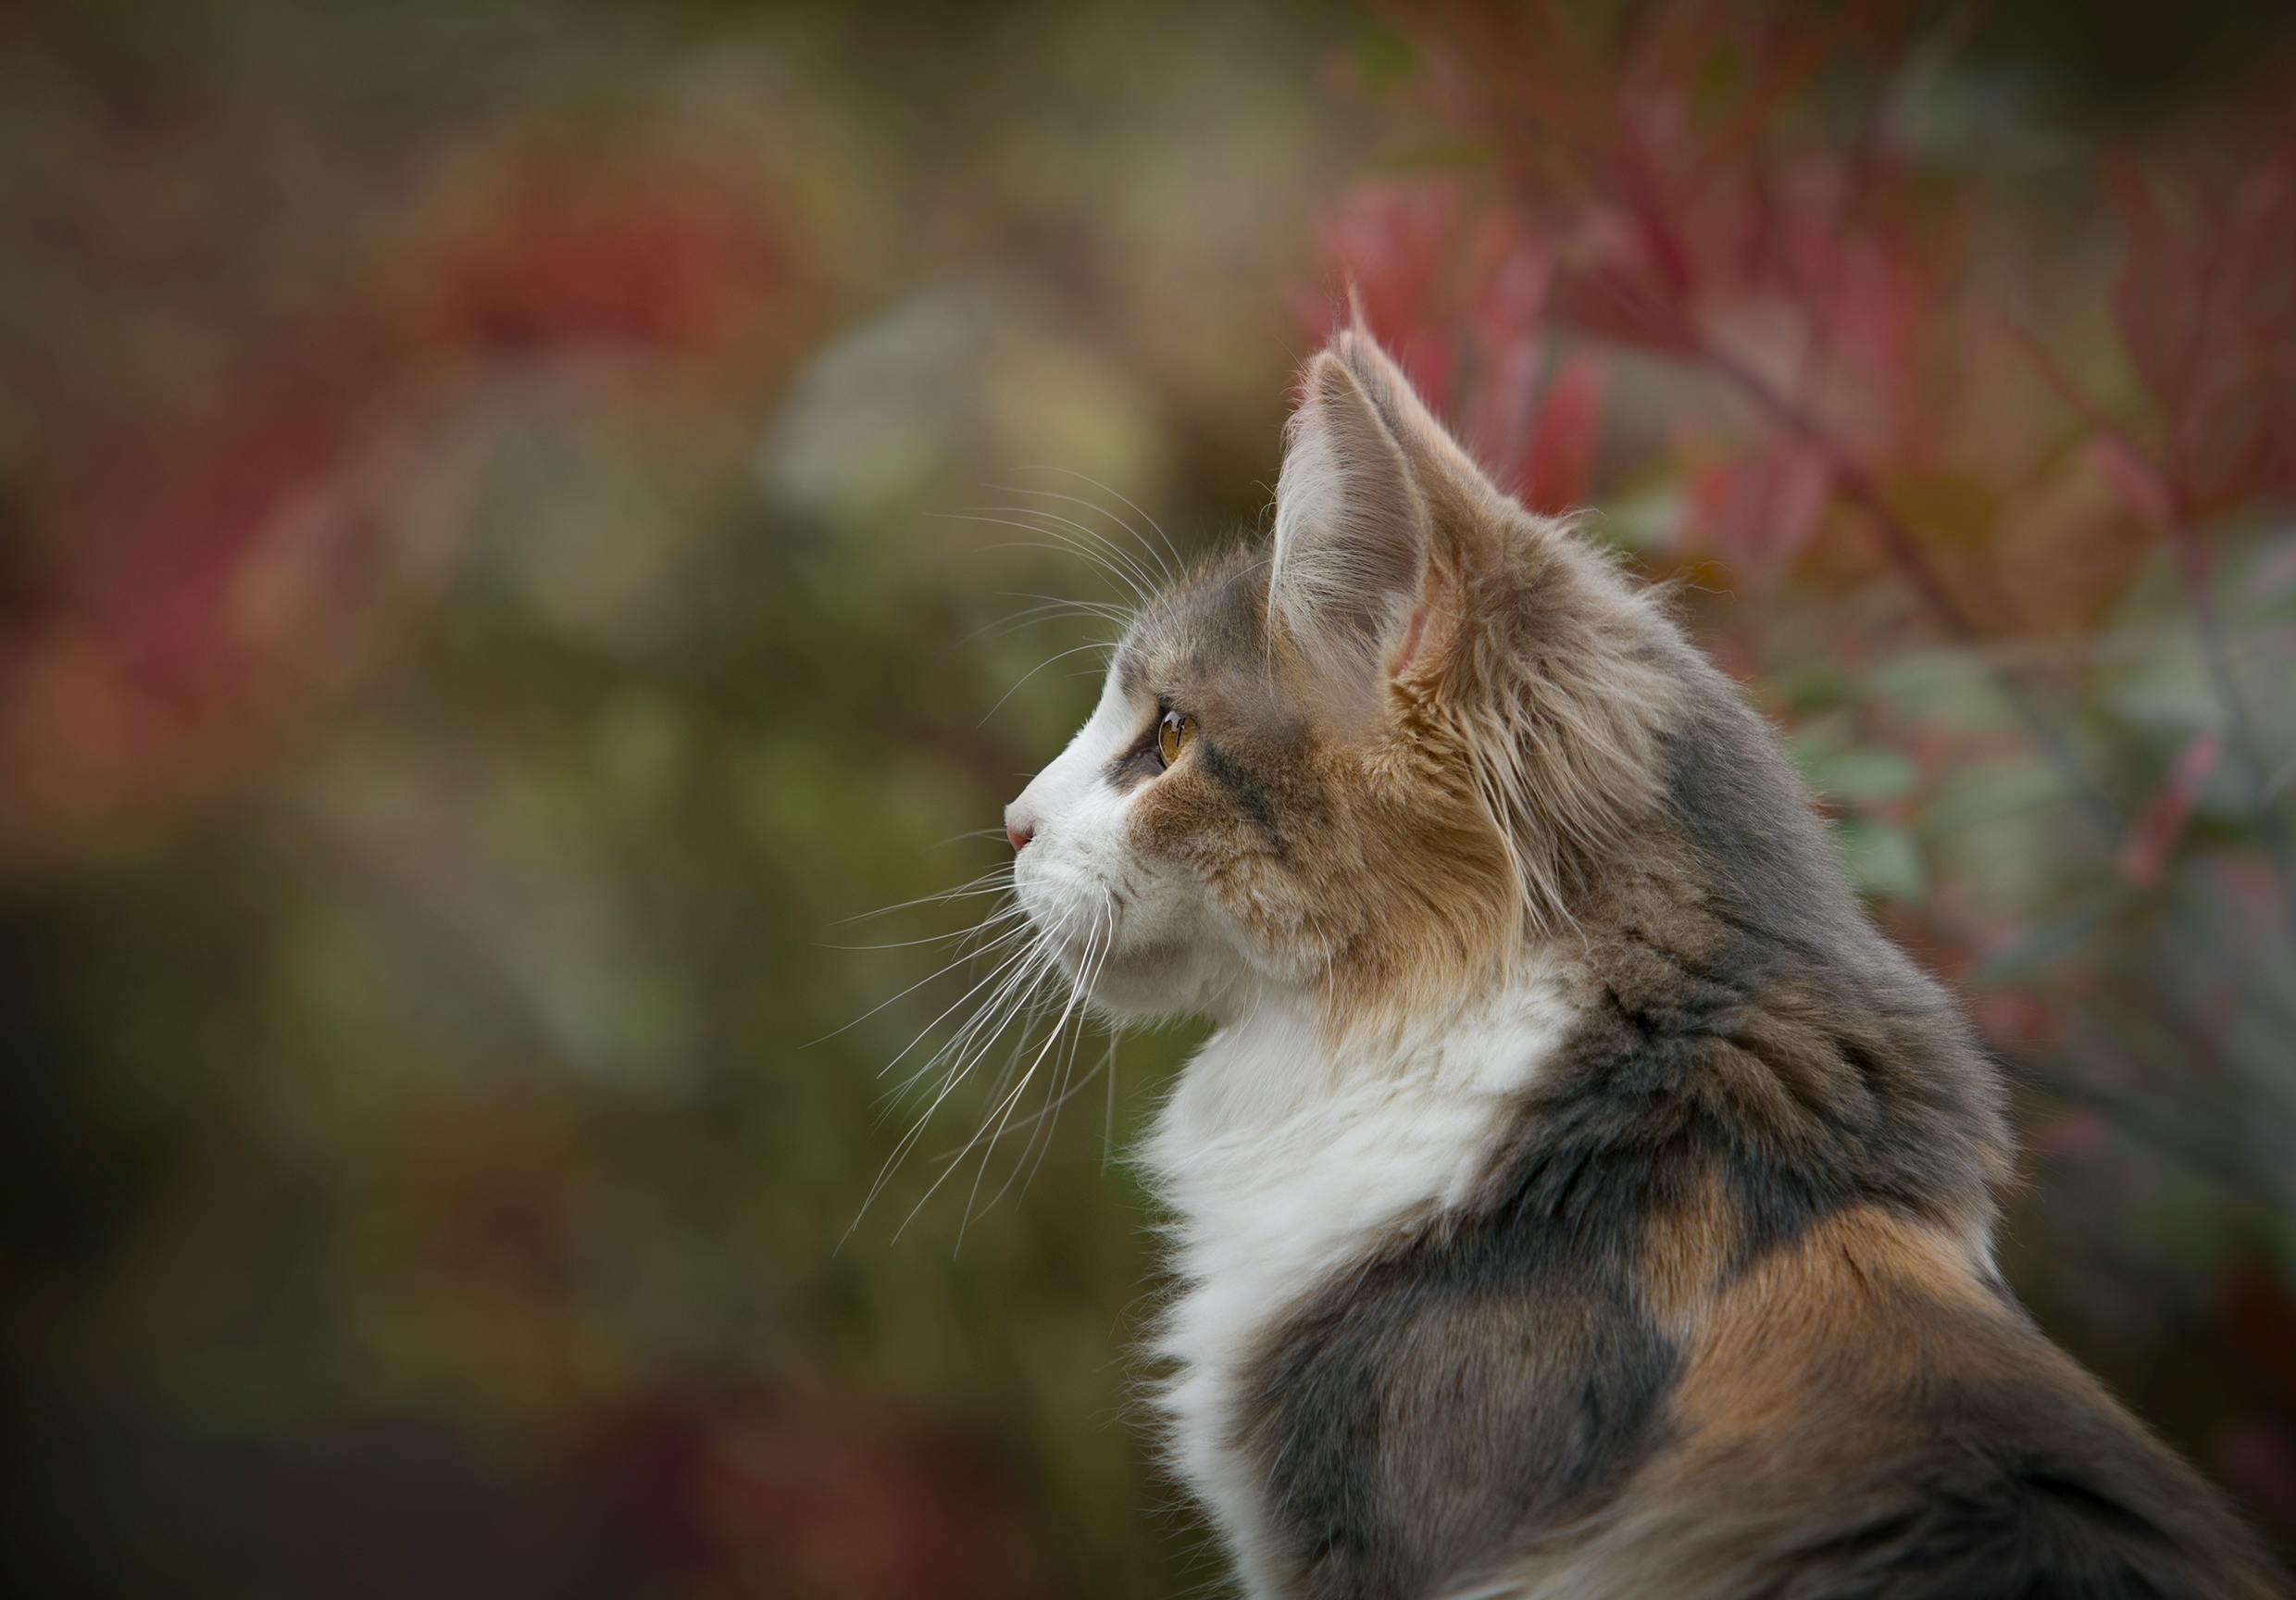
[2145, 852]
[1562, 440]
[1435, 156]
[1954, 507]
[1864, 772]
[1646, 519]
[1811, 686]
[642, 744]
[1883, 858]
[1988, 792]
[1948, 686]
[1757, 513]
[2047, 940]
[2168, 690]
[1384, 58]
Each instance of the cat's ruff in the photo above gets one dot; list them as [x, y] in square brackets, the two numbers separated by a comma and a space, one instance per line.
[1285, 1159]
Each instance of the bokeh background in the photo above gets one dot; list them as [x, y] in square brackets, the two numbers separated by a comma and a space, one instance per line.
[508, 538]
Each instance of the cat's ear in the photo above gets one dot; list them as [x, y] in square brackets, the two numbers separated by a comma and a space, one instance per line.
[1351, 550]
[1435, 455]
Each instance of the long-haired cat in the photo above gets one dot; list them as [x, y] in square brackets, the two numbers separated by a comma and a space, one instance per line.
[1580, 1196]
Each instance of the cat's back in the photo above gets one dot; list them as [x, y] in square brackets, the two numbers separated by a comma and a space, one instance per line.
[1856, 1415]
[1859, 1420]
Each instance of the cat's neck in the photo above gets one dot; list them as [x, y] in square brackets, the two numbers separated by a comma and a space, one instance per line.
[1281, 1074]
[1288, 1149]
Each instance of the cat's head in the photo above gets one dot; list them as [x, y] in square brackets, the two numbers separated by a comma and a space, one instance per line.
[1365, 763]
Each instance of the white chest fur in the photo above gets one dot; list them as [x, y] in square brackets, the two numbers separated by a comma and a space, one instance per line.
[1284, 1160]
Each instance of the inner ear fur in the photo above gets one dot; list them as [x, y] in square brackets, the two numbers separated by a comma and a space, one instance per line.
[1351, 539]
[1405, 627]
[1438, 461]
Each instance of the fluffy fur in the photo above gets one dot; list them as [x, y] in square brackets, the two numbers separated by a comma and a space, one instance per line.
[1580, 1196]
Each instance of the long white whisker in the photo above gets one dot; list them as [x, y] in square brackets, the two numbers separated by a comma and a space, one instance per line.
[1013, 998]
[1108, 1122]
[1022, 954]
[1163, 567]
[1050, 1118]
[1098, 607]
[1044, 1120]
[955, 1076]
[1003, 1113]
[1012, 995]
[1160, 578]
[1050, 608]
[1025, 617]
[901, 1146]
[1061, 655]
[952, 966]
[1075, 547]
[994, 881]
[1118, 496]
[1146, 581]
[994, 918]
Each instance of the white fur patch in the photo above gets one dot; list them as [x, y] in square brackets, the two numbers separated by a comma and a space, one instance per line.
[1155, 942]
[1076, 868]
[1285, 1161]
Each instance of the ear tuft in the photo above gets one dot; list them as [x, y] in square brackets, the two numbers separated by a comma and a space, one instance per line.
[1351, 532]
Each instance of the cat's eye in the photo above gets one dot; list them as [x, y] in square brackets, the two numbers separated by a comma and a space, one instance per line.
[1173, 735]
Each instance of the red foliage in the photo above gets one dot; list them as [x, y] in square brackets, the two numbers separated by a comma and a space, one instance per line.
[570, 256]
[2144, 856]
[206, 560]
[762, 1494]
[1670, 191]
[2206, 303]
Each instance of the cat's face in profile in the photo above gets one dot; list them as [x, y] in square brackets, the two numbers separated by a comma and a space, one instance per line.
[1303, 778]
[1208, 835]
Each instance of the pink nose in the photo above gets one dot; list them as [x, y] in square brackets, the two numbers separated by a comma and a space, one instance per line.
[1019, 836]
[1019, 827]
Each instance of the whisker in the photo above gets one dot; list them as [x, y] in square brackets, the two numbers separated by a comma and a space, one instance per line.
[1044, 1120]
[994, 972]
[1050, 1116]
[1119, 496]
[908, 1140]
[1003, 1112]
[1077, 548]
[1014, 991]
[1099, 607]
[1052, 609]
[1163, 575]
[1049, 523]
[1060, 656]
[968, 956]
[1108, 1122]
[955, 1076]
[996, 879]
[1004, 916]
[968, 833]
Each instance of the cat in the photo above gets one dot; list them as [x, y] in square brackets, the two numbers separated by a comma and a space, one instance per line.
[1580, 1196]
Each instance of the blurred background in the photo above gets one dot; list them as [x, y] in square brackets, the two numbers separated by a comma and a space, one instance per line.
[512, 514]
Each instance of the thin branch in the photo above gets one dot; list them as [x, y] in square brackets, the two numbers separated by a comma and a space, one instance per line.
[1903, 548]
[2168, 508]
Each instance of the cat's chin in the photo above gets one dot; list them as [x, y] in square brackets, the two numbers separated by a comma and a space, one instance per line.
[1145, 984]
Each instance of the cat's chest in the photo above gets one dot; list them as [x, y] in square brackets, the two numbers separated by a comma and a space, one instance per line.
[1283, 1162]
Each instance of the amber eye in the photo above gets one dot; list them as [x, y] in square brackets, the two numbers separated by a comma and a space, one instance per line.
[1173, 735]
